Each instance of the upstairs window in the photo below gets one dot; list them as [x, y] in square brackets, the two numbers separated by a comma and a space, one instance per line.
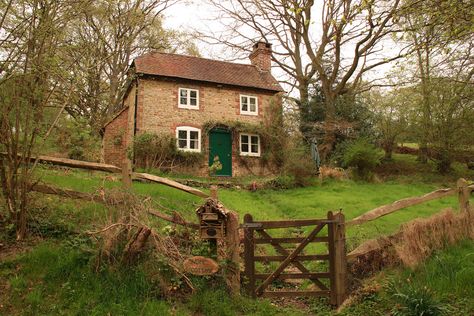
[188, 98]
[248, 105]
[249, 145]
[188, 138]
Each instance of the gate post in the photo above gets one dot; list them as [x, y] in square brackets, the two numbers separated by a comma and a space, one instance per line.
[249, 247]
[338, 261]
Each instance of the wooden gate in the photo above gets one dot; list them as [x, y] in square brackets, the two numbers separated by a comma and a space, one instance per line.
[256, 232]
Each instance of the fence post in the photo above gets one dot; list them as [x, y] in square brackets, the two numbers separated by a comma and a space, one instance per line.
[249, 246]
[340, 258]
[332, 259]
[232, 242]
[463, 195]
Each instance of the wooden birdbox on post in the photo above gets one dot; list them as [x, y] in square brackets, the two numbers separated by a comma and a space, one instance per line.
[212, 220]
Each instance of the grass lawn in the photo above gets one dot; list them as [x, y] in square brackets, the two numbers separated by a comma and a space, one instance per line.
[55, 276]
[354, 198]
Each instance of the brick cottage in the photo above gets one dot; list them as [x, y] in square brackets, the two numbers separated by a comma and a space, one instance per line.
[179, 95]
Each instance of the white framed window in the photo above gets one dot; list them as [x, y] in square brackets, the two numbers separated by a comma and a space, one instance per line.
[250, 145]
[188, 138]
[188, 98]
[248, 105]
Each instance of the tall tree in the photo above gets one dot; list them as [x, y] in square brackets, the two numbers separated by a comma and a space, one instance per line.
[106, 36]
[32, 33]
[334, 42]
[442, 40]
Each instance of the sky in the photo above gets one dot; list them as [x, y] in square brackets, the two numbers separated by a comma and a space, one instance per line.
[197, 15]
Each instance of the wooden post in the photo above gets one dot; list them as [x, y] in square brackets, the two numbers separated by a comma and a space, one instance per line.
[214, 192]
[332, 259]
[463, 195]
[127, 167]
[249, 247]
[232, 243]
[340, 263]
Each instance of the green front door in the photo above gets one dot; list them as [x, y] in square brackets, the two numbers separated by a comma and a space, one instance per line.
[220, 149]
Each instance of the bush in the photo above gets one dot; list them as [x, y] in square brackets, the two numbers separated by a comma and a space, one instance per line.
[77, 139]
[159, 151]
[363, 157]
[415, 301]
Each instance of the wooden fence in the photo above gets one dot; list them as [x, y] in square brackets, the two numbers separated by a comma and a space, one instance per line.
[335, 257]
[463, 190]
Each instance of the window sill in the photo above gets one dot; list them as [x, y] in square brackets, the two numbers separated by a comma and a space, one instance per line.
[190, 150]
[250, 155]
[249, 113]
[188, 107]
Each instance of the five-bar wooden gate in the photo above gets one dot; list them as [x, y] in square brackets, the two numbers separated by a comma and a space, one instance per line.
[256, 232]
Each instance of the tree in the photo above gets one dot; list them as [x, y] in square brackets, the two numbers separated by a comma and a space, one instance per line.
[441, 35]
[334, 43]
[32, 32]
[105, 36]
[391, 110]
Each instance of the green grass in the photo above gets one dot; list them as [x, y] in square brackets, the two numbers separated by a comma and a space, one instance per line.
[58, 276]
[354, 198]
[61, 280]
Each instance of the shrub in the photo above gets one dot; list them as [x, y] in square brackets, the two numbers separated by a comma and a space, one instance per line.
[299, 165]
[159, 151]
[415, 301]
[362, 156]
[78, 140]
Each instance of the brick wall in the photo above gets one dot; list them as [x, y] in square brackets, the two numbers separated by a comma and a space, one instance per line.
[158, 112]
[114, 141]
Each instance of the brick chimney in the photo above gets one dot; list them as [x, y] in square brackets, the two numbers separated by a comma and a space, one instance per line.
[261, 55]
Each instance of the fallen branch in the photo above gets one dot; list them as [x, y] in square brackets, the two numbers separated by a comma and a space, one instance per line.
[400, 204]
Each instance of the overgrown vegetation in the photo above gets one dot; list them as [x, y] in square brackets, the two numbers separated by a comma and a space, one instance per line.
[159, 151]
[362, 156]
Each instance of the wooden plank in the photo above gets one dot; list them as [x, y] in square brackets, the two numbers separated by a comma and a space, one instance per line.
[249, 263]
[291, 223]
[398, 205]
[71, 163]
[295, 263]
[299, 258]
[290, 258]
[286, 240]
[286, 276]
[295, 293]
[171, 183]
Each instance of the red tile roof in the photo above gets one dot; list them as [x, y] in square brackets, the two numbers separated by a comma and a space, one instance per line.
[202, 69]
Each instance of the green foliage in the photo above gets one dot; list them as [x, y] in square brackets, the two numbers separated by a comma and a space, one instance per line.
[159, 151]
[76, 138]
[363, 157]
[352, 115]
[414, 301]
[298, 166]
